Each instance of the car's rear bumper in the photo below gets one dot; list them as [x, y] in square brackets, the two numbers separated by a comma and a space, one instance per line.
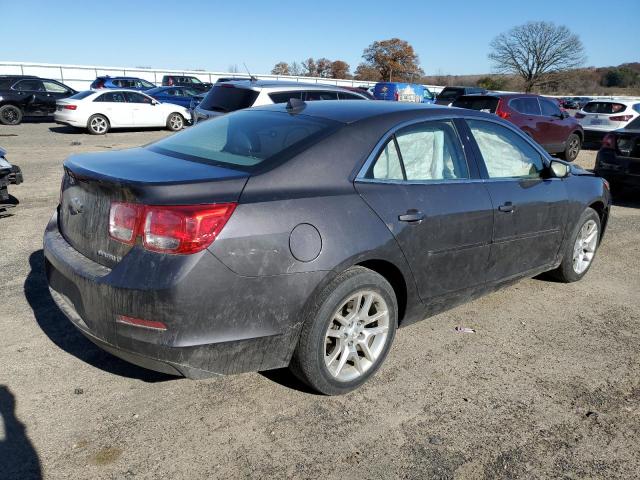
[217, 322]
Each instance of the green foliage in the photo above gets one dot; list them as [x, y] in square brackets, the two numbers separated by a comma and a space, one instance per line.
[492, 83]
[620, 77]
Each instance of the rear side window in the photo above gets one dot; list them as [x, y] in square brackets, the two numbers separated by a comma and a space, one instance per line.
[526, 105]
[604, 107]
[284, 97]
[246, 139]
[505, 153]
[53, 87]
[388, 165]
[117, 97]
[133, 97]
[228, 98]
[481, 103]
[29, 86]
[426, 151]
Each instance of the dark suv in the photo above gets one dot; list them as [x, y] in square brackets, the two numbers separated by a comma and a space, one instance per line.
[186, 81]
[450, 94]
[539, 117]
[23, 96]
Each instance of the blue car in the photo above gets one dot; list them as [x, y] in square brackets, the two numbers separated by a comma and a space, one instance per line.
[182, 96]
[130, 83]
[402, 92]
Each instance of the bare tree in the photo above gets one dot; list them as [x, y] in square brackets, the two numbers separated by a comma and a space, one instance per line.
[295, 69]
[310, 68]
[536, 49]
[323, 67]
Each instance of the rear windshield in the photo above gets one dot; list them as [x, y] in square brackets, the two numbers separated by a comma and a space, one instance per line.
[246, 139]
[450, 93]
[604, 107]
[81, 95]
[228, 98]
[484, 104]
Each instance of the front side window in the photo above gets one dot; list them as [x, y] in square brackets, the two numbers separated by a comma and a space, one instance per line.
[29, 86]
[426, 151]
[506, 154]
[53, 87]
[549, 108]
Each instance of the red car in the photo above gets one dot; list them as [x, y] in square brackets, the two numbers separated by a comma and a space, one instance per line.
[539, 117]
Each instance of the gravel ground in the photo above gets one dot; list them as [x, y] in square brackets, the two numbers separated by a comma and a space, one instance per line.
[548, 387]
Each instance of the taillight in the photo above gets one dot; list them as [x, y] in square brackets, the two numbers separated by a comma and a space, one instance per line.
[609, 141]
[124, 221]
[501, 112]
[621, 118]
[579, 115]
[70, 107]
[169, 229]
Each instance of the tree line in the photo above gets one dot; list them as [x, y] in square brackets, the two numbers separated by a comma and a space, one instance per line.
[539, 56]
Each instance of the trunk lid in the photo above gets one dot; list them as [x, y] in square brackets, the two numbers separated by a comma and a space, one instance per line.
[92, 181]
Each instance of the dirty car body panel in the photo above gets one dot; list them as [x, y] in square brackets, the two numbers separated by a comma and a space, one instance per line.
[301, 217]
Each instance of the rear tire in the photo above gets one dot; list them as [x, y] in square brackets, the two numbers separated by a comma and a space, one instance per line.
[10, 115]
[347, 333]
[175, 122]
[98, 125]
[572, 148]
[581, 249]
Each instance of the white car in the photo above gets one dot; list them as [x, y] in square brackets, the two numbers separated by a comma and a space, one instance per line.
[229, 96]
[600, 117]
[100, 111]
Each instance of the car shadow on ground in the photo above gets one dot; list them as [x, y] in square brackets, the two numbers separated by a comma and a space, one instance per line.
[68, 130]
[626, 198]
[64, 335]
[18, 457]
[284, 377]
[7, 206]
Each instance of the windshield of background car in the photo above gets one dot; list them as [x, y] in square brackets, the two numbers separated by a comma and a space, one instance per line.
[483, 104]
[81, 95]
[246, 139]
[228, 98]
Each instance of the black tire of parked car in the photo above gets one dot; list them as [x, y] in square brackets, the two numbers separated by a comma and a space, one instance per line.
[308, 362]
[572, 148]
[565, 272]
[98, 124]
[175, 122]
[10, 115]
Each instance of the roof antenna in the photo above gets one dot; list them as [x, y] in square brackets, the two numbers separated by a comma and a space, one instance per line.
[251, 77]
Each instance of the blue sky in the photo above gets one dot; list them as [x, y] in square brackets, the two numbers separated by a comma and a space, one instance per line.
[213, 35]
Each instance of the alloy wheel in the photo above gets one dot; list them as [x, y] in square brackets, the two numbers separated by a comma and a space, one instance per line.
[356, 336]
[98, 125]
[176, 122]
[585, 247]
[574, 147]
[10, 116]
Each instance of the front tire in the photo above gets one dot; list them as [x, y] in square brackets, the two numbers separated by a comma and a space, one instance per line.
[347, 333]
[98, 125]
[10, 115]
[572, 148]
[175, 122]
[581, 249]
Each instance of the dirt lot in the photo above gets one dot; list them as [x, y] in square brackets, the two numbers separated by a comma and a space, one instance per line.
[548, 387]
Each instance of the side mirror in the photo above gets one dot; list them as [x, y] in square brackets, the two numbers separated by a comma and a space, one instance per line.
[559, 169]
[154, 102]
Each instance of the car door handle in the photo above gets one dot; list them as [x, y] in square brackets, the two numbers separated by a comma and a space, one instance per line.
[507, 207]
[411, 216]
